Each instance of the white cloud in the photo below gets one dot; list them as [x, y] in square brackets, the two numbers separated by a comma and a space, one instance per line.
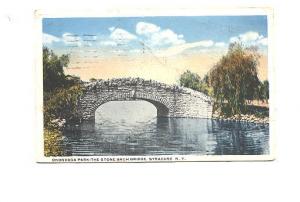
[71, 39]
[88, 44]
[234, 39]
[206, 43]
[166, 37]
[90, 38]
[49, 39]
[155, 36]
[263, 41]
[250, 38]
[220, 44]
[135, 51]
[203, 51]
[144, 28]
[174, 50]
[111, 29]
[121, 35]
[108, 43]
[67, 37]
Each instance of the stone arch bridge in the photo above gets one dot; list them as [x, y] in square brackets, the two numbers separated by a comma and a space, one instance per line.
[169, 100]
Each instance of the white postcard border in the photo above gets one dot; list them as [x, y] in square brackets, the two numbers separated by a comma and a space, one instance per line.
[119, 12]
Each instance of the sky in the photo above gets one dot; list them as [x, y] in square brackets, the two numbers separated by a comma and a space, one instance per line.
[159, 48]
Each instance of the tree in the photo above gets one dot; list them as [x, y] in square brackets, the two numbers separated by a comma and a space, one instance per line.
[193, 80]
[266, 90]
[53, 72]
[61, 92]
[205, 87]
[263, 92]
[190, 80]
[234, 78]
[93, 80]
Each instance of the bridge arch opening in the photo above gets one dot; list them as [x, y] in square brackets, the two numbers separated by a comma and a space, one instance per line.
[124, 111]
[132, 110]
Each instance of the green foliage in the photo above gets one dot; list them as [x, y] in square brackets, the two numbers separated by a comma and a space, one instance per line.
[263, 91]
[93, 79]
[61, 94]
[258, 111]
[62, 104]
[192, 80]
[52, 140]
[53, 72]
[71, 81]
[234, 79]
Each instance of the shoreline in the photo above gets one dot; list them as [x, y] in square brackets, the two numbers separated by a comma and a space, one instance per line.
[242, 118]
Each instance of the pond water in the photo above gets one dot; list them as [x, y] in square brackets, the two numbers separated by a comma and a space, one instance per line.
[132, 128]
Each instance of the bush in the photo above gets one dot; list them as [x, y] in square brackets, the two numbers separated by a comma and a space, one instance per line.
[62, 104]
[52, 143]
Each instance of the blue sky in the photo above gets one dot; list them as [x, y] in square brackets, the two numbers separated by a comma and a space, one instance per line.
[159, 48]
[217, 28]
[131, 34]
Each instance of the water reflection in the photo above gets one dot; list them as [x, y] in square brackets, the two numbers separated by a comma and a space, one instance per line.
[241, 137]
[140, 133]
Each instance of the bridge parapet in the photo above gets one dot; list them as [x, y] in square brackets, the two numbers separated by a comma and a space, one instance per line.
[170, 100]
[139, 82]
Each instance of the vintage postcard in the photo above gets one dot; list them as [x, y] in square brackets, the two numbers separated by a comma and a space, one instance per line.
[155, 85]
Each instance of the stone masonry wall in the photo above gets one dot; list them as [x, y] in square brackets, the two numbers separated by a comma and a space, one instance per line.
[170, 100]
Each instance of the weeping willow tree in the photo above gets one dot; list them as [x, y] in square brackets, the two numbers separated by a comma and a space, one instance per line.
[234, 79]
